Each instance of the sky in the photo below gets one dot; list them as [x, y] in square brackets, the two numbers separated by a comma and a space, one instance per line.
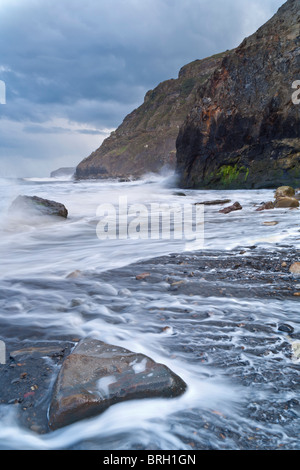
[74, 69]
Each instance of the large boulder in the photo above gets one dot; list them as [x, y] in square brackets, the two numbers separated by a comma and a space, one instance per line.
[37, 206]
[97, 375]
[284, 191]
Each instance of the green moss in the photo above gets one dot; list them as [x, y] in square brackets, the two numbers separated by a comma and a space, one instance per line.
[229, 174]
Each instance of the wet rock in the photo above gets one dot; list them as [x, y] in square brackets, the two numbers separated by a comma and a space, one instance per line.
[215, 202]
[38, 206]
[285, 202]
[285, 328]
[235, 207]
[97, 375]
[266, 206]
[295, 268]
[284, 191]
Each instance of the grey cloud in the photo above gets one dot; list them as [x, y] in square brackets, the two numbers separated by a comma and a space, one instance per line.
[93, 62]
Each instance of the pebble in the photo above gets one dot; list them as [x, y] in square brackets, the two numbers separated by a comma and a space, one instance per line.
[142, 276]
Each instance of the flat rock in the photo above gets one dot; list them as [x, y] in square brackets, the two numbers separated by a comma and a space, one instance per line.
[235, 207]
[36, 205]
[97, 375]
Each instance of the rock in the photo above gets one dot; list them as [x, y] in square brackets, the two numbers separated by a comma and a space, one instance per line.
[146, 140]
[61, 172]
[74, 274]
[271, 223]
[97, 375]
[285, 328]
[243, 131]
[266, 206]
[142, 276]
[37, 206]
[235, 207]
[216, 202]
[295, 268]
[285, 202]
[284, 191]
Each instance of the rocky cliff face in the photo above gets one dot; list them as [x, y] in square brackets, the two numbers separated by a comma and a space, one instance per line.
[244, 131]
[146, 140]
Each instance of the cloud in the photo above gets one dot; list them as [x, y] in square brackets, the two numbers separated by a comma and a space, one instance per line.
[91, 63]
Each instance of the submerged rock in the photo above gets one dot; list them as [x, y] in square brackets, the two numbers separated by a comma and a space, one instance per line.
[38, 206]
[97, 375]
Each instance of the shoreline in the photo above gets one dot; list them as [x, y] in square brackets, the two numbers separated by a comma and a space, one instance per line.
[246, 274]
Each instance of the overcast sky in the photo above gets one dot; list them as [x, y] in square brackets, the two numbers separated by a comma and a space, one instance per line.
[74, 69]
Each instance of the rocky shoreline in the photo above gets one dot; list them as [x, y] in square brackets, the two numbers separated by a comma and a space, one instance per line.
[28, 378]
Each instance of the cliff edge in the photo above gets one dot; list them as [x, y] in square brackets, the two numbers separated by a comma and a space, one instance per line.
[244, 130]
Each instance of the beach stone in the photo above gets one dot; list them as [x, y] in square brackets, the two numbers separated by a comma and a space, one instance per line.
[284, 191]
[97, 375]
[284, 202]
[295, 268]
[37, 205]
[266, 206]
[215, 202]
[235, 207]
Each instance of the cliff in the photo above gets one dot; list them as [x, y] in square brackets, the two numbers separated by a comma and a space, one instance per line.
[146, 140]
[244, 130]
